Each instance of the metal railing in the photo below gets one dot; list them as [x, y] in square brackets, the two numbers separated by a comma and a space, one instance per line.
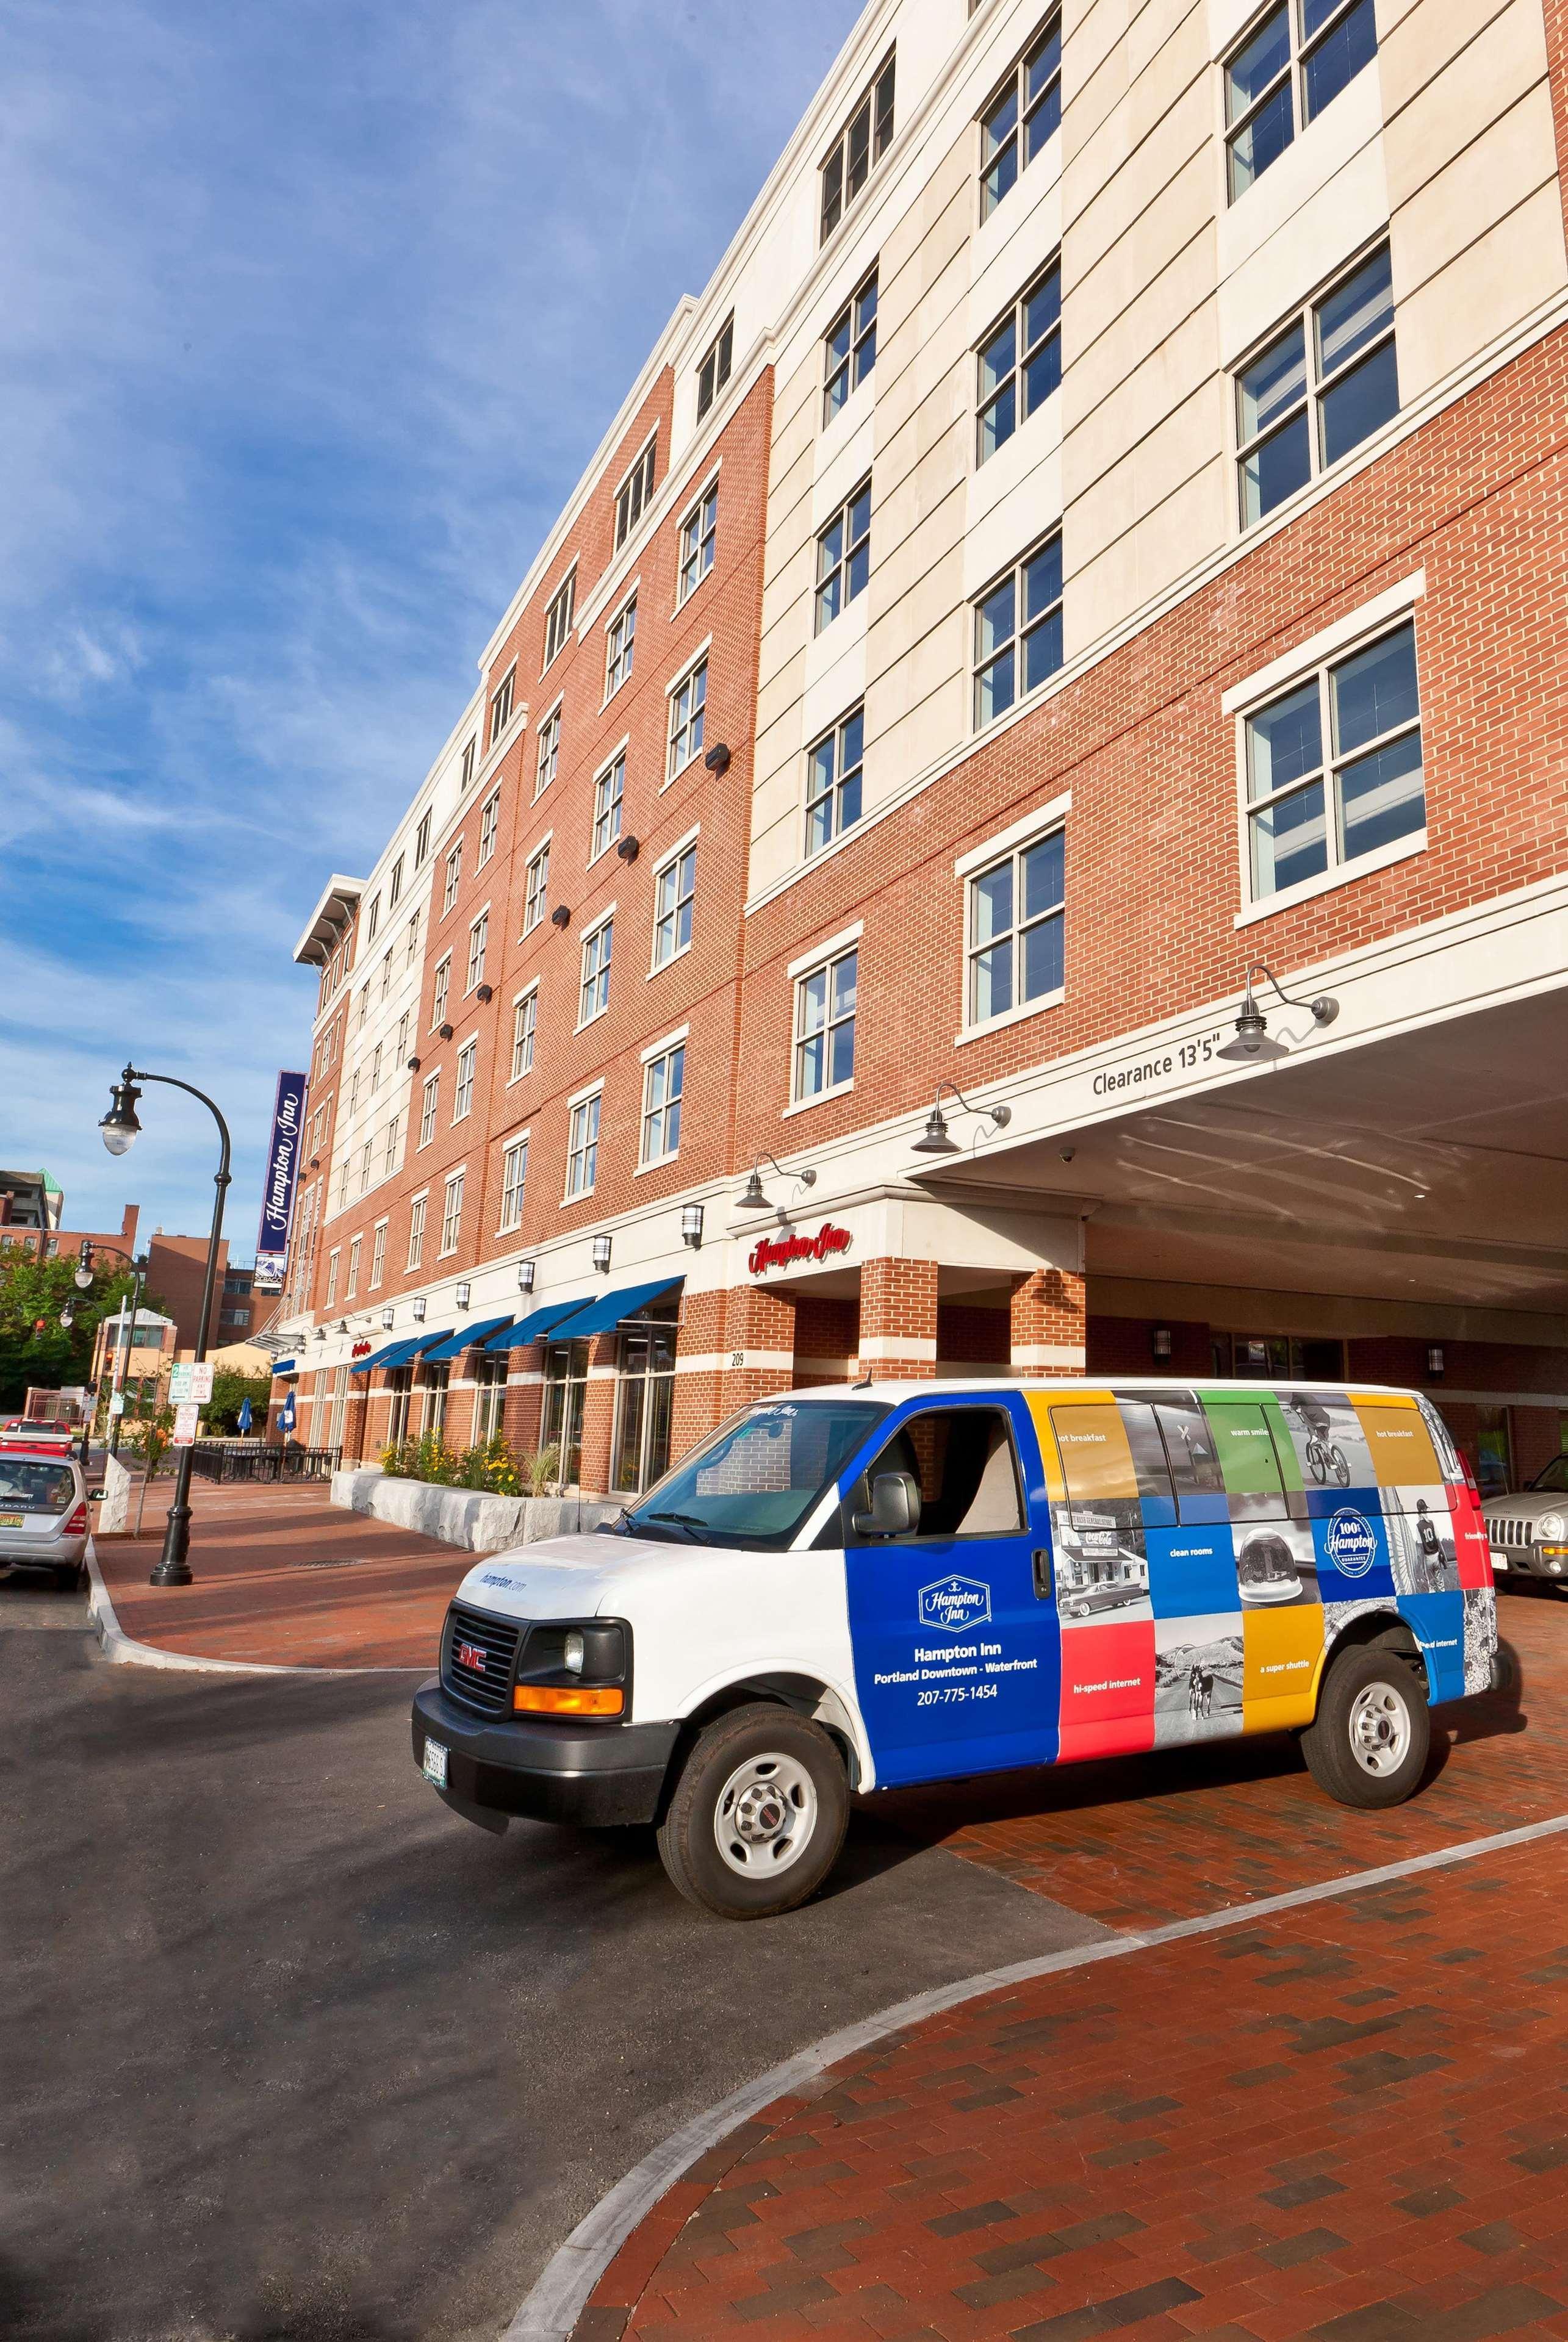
[219, 1459]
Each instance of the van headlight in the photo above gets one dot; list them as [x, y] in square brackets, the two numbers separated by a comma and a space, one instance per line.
[575, 1670]
[575, 1650]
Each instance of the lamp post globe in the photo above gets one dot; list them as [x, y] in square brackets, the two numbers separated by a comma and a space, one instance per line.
[120, 1127]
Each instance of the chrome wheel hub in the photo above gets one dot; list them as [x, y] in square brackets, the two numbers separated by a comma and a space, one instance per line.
[1380, 1729]
[765, 1816]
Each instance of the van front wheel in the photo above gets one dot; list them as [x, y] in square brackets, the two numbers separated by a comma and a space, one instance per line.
[757, 1816]
[1368, 1744]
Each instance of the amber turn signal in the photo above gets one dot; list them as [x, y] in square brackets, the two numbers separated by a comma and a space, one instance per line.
[580, 1699]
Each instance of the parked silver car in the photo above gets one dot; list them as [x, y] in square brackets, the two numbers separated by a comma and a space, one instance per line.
[43, 1499]
[1528, 1531]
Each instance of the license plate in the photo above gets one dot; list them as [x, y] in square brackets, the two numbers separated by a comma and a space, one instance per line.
[436, 1764]
[13, 1520]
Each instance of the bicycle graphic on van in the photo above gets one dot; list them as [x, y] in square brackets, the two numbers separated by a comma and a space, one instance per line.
[1322, 1457]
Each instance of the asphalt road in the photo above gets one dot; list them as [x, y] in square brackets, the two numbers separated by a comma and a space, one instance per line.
[288, 2051]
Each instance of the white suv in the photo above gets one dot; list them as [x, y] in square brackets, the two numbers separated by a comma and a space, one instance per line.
[43, 1500]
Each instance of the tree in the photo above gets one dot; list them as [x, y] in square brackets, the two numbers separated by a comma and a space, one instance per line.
[229, 1390]
[36, 1349]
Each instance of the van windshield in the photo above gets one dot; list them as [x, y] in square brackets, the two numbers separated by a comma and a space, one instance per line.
[757, 1479]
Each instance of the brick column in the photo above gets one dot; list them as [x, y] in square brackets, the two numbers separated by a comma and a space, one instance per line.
[525, 1400]
[1048, 1322]
[898, 1337]
[354, 1421]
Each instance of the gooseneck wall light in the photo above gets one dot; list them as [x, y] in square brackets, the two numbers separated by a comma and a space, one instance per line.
[935, 1140]
[1251, 1044]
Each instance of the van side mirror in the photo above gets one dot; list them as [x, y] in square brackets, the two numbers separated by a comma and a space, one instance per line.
[895, 1506]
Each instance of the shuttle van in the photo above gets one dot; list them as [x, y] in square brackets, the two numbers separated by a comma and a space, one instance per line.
[843, 1590]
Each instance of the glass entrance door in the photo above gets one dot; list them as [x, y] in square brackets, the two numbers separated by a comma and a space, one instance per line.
[644, 1399]
[565, 1386]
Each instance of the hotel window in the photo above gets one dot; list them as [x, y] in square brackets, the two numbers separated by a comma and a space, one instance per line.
[400, 1048]
[1333, 766]
[386, 975]
[375, 1065]
[688, 716]
[608, 795]
[489, 822]
[833, 774]
[394, 1132]
[364, 1008]
[416, 1232]
[490, 1399]
[354, 1092]
[514, 1178]
[645, 1395]
[413, 950]
[1018, 632]
[395, 884]
[433, 1400]
[524, 1018]
[377, 1255]
[535, 890]
[399, 1382]
[1015, 929]
[1320, 389]
[1287, 69]
[844, 556]
[582, 1146]
[558, 617]
[1021, 118]
[593, 996]
[1020, 362]
[549, 751]
[864, 139]
[438, 991]
[634, 492]
[330, 1295]
[365, 1169]
[674, 888]
[463, 1096]
[697, 531]
[714, 372]
[422, 840]
[620, 644]
[373, 920]
[663, 1082]
[850, 350]
[351, 1282]
[825, 1025]
[428, 1101]
[454, 875]
[452, 1214]
[479, 934]
[466, 769]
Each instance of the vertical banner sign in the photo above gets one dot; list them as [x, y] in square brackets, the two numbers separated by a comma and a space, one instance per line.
[277, 1188]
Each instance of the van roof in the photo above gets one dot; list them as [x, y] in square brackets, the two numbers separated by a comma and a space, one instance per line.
[1071, 1385]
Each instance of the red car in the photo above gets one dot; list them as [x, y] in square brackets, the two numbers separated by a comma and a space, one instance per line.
[22, 1427]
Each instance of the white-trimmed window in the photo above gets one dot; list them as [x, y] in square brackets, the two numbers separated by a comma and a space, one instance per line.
[688, 716]
[330, 1295]
[593, 994]
[634, 492]
[621, 647]
[438, 991]
[377, 1255]
[500, 712]
[353, 1093]
[1022, 116]
[1020, 362]
[478, 936]
[674, 888]
[376, 1067]
[697, 531]
[395, 884]
[1318, 389]
[1332, 768]
[525, 1019]
[1015, 929]
[714, 372]
[663, 1083]
[401, 1047]
[351, 1282]
[582, 1145]
[863, 141]
[364, 1007]
[514, 1179]
[452, 1214]
[394, 1134]
[385, 973]
[608, 798]
[489, 822]
[413, 951]
[825, 1001]
[416, 1232]
[1284, 70]
[466, 768]
[364, 1153]
[1018, 632]
[549, 751]
[463, 1096]
[374, 919]
[558, 617]
[428, 1099]
[454, 877]
[850, 346]
[422, 839]
[844, 556]
[537, 890]
[833, 777]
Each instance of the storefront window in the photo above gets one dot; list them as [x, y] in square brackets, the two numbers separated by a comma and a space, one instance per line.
[645, 1397]
[340, 1408]
[566, 1382]
[490, 1398]
[433, 1410]
[1279, 1357]
[400, 1381]
[1493, 1460]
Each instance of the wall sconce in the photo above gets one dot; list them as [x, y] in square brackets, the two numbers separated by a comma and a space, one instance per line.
[935, 1140]
[692, 1224]
[444, 1031]
[561, 916]
[462, 1295]
[343, 1326]
[754, 1199]
[1252, 1045]
[320, 1335]
[628, 849]
[1161, 1341]
[420, 1306]
[1435, 1358]
[413, 1066]
[483, 992]
[525, 1276]
[602, 1248]
[387, 1316]
[718, 759]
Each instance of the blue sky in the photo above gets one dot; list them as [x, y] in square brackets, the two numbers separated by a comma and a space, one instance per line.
[314, 314]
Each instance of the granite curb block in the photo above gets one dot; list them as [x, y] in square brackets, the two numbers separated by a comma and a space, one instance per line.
[122, 1650]
[467, 1516]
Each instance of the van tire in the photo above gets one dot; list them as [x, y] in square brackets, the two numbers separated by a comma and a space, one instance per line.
[1368, 1744]
[762, 1764]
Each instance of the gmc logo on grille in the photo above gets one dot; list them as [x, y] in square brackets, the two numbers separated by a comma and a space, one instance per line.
[470, 1655]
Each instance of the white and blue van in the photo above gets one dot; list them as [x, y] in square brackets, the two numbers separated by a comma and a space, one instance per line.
[850, 1589]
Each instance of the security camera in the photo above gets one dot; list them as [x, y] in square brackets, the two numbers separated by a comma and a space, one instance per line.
[1068, 1152]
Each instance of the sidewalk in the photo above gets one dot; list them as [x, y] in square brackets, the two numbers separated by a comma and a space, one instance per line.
[284, 1578]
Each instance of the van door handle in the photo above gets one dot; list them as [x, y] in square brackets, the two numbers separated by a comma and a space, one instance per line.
[1043, 1584]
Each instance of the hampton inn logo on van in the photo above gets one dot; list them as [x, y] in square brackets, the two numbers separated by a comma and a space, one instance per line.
[954, 1604]
[1353, 1549]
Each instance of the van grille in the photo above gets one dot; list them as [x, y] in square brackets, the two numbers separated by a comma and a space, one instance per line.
[476, 1655]
[1500, 1532]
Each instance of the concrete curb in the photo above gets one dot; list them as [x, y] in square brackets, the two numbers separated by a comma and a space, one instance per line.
[561, 2292]
[122, 1650]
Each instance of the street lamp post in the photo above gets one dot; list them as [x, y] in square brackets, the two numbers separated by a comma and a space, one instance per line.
[120, 1127]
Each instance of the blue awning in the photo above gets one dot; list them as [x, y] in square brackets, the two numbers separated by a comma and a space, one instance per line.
[466, 1337]
[605, 1311]
[391, 1353]
[536, 1325]
[284, 1366]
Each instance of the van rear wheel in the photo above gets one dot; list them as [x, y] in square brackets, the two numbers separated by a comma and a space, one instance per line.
[1368, 1744]
[757, 1816]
